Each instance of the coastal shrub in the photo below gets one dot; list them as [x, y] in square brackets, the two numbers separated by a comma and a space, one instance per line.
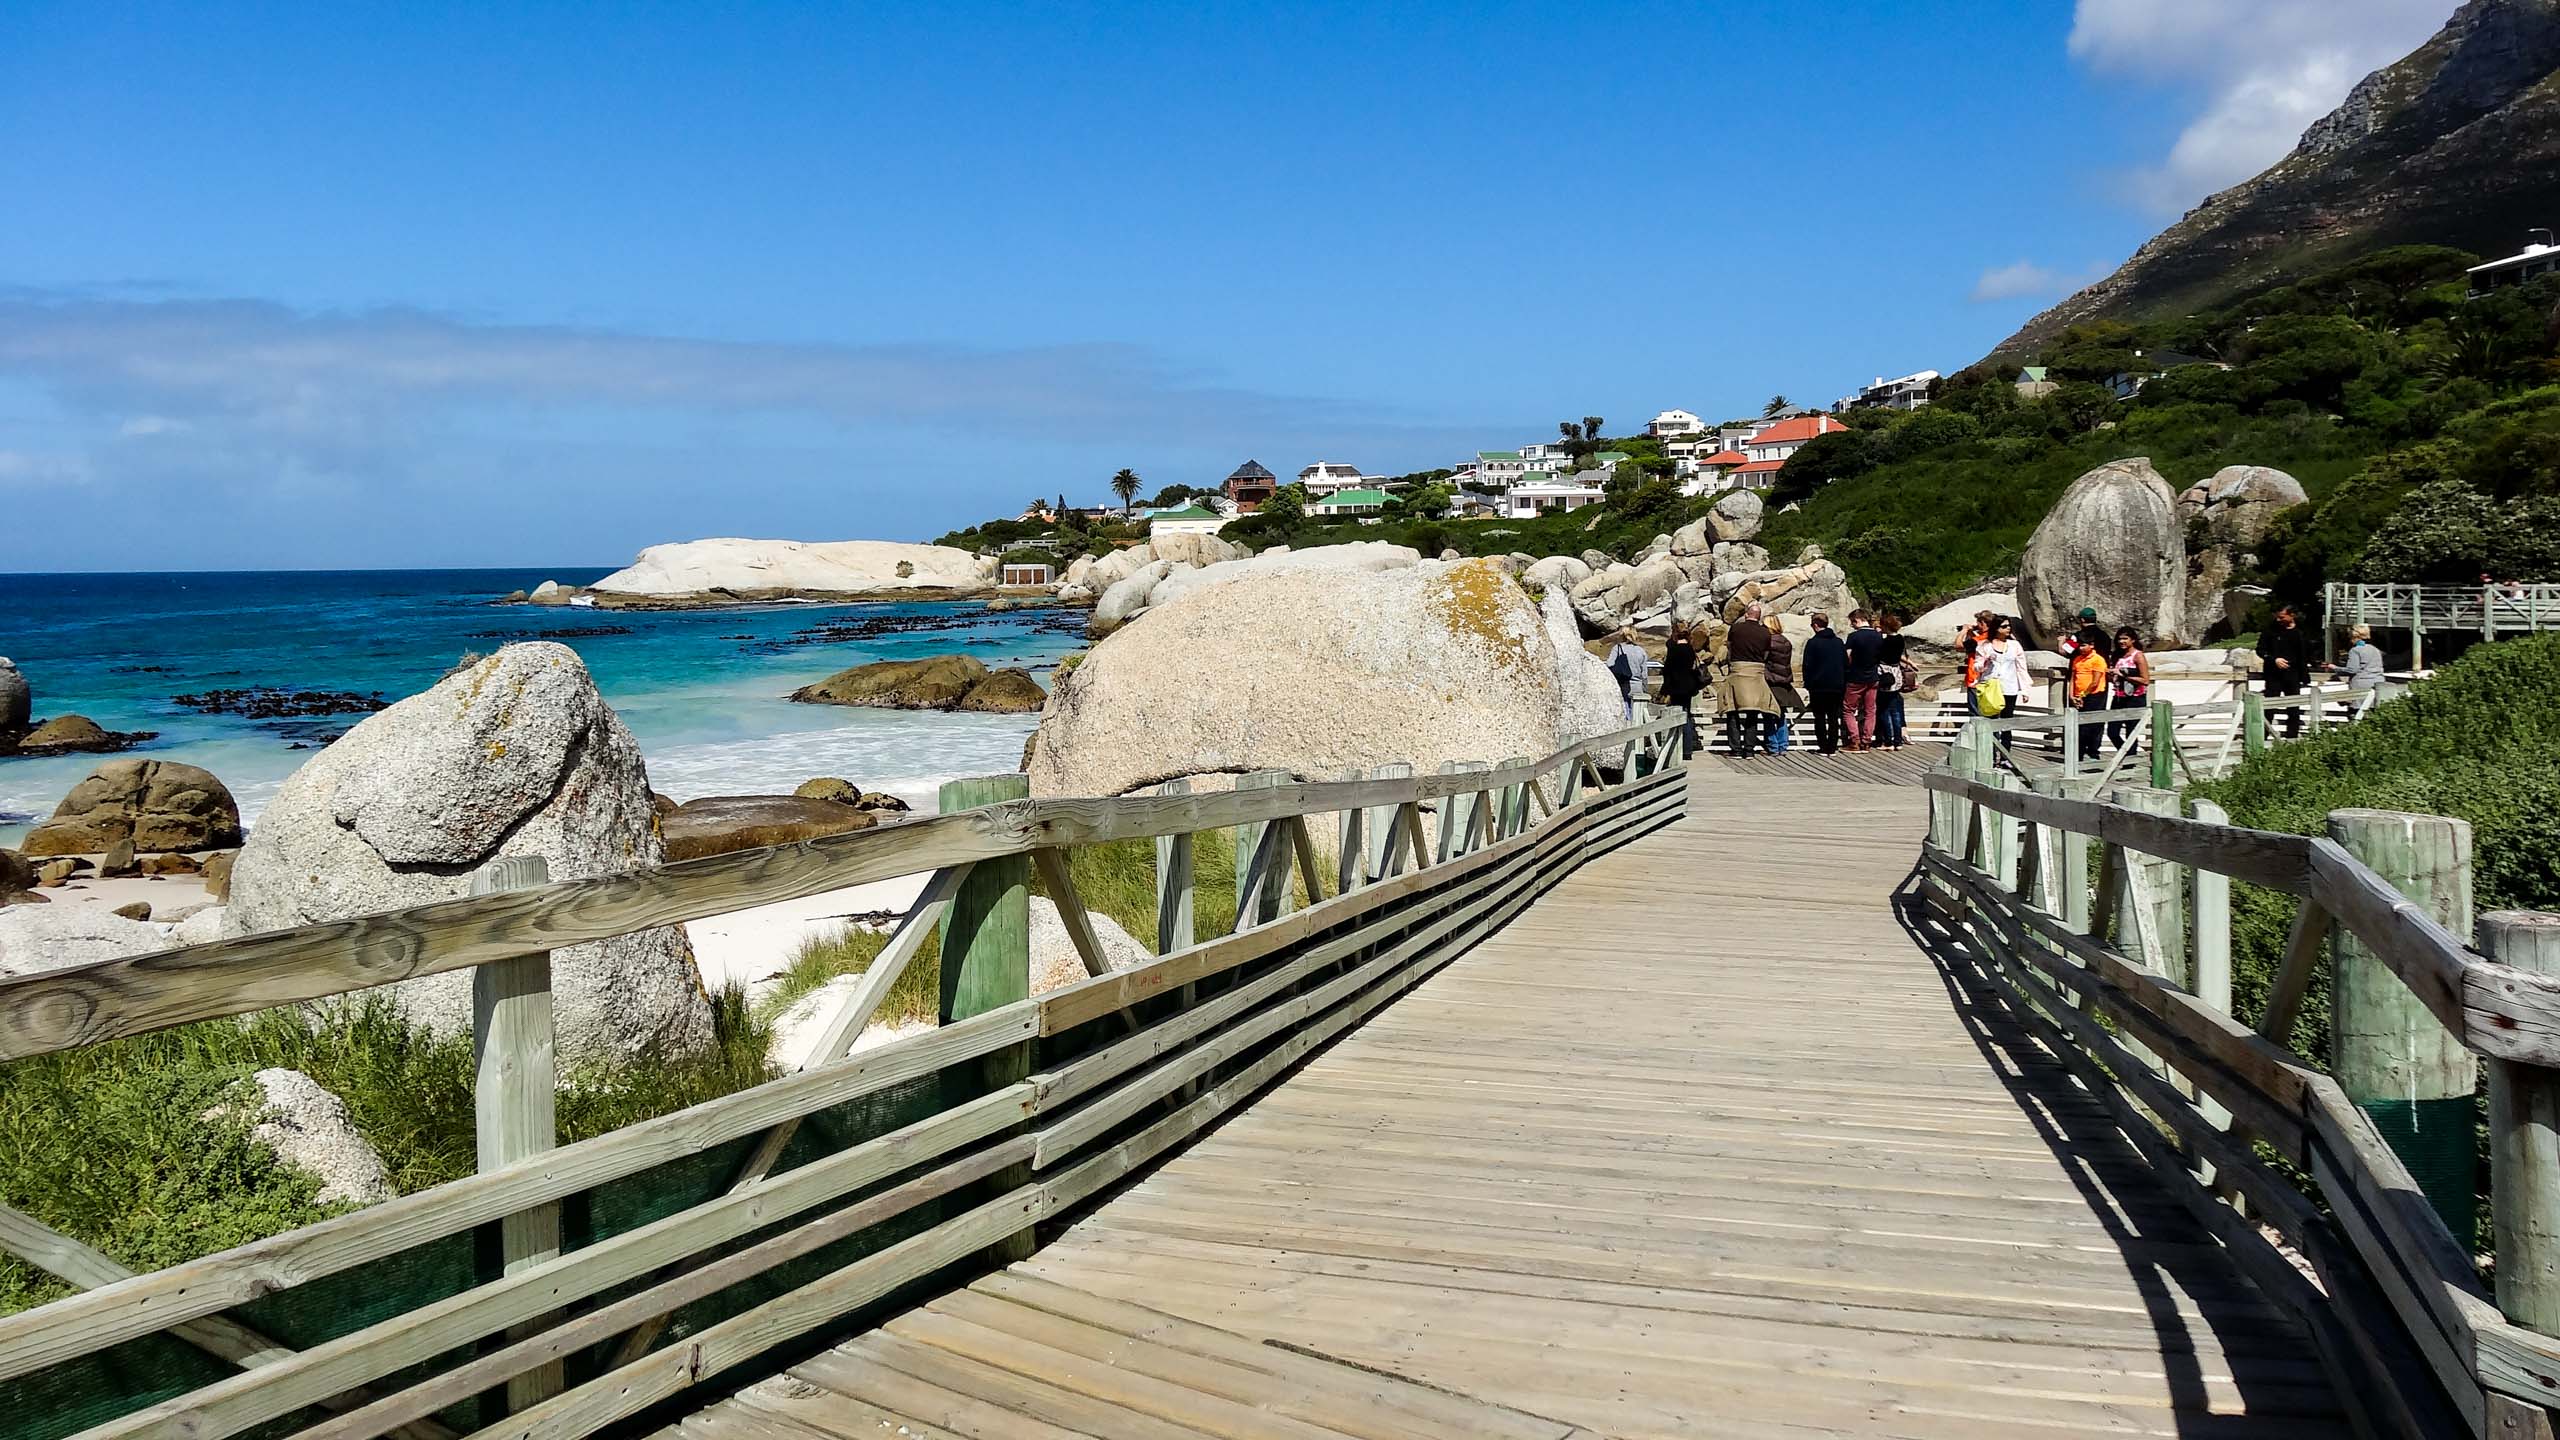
[110, 1144]
[917, 995]
[2481, 742]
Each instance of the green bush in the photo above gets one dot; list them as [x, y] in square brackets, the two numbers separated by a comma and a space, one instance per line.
[2481, 742]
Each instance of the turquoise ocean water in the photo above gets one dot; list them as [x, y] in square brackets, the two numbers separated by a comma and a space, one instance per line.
[701, 689]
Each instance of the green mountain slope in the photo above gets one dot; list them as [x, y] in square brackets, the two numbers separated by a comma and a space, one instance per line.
[2458, 144]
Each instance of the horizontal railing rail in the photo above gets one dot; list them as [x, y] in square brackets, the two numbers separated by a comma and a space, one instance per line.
[2103, 926]
[800, 1202]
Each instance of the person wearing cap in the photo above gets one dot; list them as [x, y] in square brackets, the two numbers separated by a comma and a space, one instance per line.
[2069, 645]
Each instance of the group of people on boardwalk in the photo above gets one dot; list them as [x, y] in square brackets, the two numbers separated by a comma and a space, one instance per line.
[1852, 686]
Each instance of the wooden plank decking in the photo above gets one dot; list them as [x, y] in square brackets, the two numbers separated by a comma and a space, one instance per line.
[1703, 1144]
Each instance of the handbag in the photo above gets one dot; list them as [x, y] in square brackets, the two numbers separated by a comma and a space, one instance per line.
[1910, 677]
[1989, 698]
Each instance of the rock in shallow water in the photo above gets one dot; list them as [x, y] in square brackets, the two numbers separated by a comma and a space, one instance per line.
[718, 824]
[936, 682]
[152, 804]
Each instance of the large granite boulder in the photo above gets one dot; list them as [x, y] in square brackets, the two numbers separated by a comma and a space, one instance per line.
[1010, 691]
[17, 701]
[1624, 594]
[1935, 641]
[731, 569]
[718, 824]
[1356, 557]
[1127, 597]
[515, 755]
[2237, 504]
[1556, 572]
[75, 735]
[153, 805]
[1736, 515]
[1197, 549]
[936, 682]
[51, 937]
[1320, 672]
[1055, 961]
[1694, 538]
[1117, 566]
[1817, 585]
[18, 879]
[2114, 542]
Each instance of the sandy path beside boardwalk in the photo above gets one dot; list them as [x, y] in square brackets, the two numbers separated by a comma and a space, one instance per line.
[752, 946]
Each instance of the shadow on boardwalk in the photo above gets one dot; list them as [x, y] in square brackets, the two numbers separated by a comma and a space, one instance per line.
[1716, 1139]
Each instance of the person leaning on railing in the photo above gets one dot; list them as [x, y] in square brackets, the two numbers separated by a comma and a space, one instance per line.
[2363, 662]
[2128, 682]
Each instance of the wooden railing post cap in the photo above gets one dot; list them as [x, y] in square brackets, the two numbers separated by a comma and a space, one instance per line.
[2526, 939]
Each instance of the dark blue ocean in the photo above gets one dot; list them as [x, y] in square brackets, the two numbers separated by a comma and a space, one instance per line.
[701, 689]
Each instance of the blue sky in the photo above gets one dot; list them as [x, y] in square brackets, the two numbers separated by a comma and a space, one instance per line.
[352, 285]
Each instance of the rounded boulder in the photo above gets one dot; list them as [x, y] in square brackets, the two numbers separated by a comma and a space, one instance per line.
[154, 805]
[2114, 542]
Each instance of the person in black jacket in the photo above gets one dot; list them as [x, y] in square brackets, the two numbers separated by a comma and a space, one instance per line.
[1826, 682]
[2284, 657]
[1682, 678]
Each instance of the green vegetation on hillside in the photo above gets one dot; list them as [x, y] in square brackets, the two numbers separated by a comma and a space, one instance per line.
[2480, 741]
[2410, 414]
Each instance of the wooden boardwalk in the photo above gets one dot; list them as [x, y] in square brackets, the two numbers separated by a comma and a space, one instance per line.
[1705, 1143]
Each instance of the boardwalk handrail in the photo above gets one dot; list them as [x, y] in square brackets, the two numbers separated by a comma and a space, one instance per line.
[2399, 1313]
[987, 1124]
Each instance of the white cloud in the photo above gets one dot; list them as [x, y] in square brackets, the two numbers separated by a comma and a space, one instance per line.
[2024, 278]
[2265, 69]
[306, 397]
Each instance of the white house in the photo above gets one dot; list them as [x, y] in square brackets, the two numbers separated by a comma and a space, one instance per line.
[1189, 520]
[1707, 474]
[1671, 424]
[1546, 455]
[1326, 476]
[2537, 259]
[1350, 502]
[1903, 392]
[1492, 469]
[1540, 493]
[1779, 439]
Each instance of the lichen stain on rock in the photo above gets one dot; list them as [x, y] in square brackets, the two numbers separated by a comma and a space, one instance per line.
[1475, 600]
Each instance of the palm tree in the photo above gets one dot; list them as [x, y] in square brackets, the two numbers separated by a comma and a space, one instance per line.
[1569, 430]
[1591, 429]
[1036, 506]
[1776, 404]
[1125, 485]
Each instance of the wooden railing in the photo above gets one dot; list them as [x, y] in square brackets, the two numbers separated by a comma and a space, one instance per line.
[2182, 743]
[2127, 980]
[2488, 611]
[815, 1199]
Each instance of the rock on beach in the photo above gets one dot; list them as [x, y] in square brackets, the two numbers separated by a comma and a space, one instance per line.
[516, 755]
[735, 569]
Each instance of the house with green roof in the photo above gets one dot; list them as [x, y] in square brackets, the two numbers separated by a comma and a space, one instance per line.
[1350, 502]
[1192, 519]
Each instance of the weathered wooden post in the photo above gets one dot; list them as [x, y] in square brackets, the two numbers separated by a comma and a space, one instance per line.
[1262, 859]
[1176, 891]
[2253, 720]
[2524, 1141]
[2391, 1056]
[1384, 824]
[514, 1089]
[2209, 961]
[1348, 846]
[1513, 815]
[986, 957]
[2164, 745]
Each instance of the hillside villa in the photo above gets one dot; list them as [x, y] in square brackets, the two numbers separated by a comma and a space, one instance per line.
[1349, 502]
[1191, 519]
[1903, 392]
[1540, 493]
[1249, 485]
[2537, 259]
[1674, 425]
[1327, 476]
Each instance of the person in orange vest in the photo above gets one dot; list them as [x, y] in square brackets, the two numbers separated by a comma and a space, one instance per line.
[2089, 684]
